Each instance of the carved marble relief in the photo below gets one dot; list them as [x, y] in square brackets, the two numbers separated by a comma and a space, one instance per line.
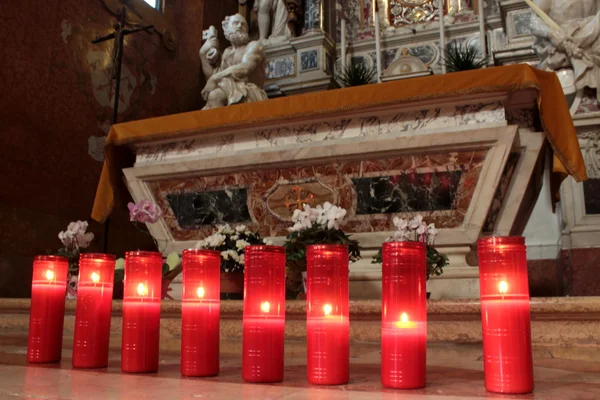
[405, 123]
[438, 186]
[589, 141]
[309, 60]
[408, 12]
[281, 68]
[500, 194]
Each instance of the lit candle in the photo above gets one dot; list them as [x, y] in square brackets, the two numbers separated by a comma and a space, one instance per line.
[141, 311]
[505, 315]
[404, 315]
[92, 317]
[48, 290]
[264, 314]
[327, 325]
[200, 313]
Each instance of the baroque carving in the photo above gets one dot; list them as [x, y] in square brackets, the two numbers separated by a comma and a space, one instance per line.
[407, 12]
[237, 75]
[590, 147]
[575, 45]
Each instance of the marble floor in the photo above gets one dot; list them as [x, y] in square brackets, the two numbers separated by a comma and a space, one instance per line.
[453, 372]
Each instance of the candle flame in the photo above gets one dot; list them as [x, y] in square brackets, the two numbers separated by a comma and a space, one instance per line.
[200, 292]
[50, 275]
[405, 322]
[95, 277]
[265, 307]
[502, 287]
[327, 309]
[142, 290]
[404, 317]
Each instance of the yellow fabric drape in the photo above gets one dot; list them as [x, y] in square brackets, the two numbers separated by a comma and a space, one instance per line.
[552, 104]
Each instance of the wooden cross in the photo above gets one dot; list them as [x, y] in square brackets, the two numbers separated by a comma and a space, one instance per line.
[117, 54]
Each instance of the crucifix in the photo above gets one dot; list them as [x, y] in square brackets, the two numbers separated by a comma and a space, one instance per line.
[117, 54]
[117, 60]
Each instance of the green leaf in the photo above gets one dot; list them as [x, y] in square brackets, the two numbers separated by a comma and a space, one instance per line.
[356, 74]
[119, 275]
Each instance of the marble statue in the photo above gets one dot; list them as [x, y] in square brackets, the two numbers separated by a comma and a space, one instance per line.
[272, 20]
[576, 45]
[237, 75]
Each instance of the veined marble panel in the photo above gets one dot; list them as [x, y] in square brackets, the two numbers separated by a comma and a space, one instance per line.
[439, 186]
[409, 123]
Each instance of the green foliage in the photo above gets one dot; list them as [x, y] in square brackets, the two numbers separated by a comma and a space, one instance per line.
[233, 262]
[436, 261]
[73, 256]
[356, 74]
[462, 57]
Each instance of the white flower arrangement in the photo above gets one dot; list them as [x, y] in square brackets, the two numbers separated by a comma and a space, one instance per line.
[418, 230]
[415, 229]
[319, 225]
[326, 216]
[231, 243]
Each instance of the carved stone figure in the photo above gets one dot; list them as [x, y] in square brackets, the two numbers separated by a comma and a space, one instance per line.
[238, 75]
[294, 9]
[272, 20]
[576, 45]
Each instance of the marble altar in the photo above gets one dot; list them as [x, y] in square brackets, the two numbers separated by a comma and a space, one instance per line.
[470, 162]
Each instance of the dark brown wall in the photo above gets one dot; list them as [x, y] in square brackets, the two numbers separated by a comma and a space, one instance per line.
[48, 110]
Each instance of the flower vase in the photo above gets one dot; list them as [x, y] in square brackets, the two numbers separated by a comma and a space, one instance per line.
[232, 285]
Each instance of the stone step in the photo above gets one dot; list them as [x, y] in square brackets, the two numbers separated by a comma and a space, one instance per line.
[556, 322]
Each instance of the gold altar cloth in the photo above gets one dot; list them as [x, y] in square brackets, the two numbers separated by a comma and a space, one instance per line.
[554, 114]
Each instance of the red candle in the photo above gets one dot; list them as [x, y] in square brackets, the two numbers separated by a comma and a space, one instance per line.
[505, 318]
[141, 311]
[327, 325]
[404, 315]
[47, 314]
[200, 313]
[264, 314]
[92, 317]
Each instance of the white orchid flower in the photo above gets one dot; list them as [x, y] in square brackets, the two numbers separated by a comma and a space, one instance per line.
[422, 229]
[400, 223]
[431, 234]
[241, 228]
[297, 227]
[309, 212]
[431, 231]
[306, 220]
[240, 244]
[335, 215]
[296, 215]
[416, 222]
[225, 255]
[234, 255]
[320, 214]
[225, 229]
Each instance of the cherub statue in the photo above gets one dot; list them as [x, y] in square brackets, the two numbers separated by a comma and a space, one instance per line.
[238, 75]
[576, 44]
